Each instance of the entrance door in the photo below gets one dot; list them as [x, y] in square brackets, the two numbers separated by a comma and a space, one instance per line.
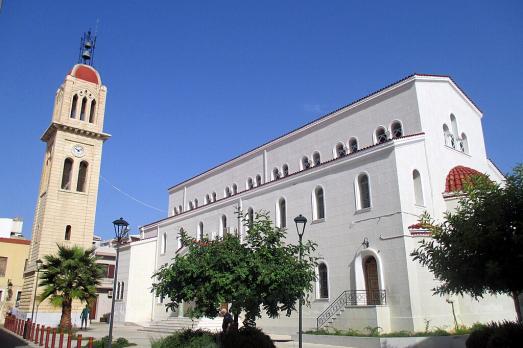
[371, 281]
[92, 308]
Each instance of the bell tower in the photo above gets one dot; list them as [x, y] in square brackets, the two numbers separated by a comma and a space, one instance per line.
[66, 203]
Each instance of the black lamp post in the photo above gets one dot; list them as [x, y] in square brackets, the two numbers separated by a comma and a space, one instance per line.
[121, 231]
[38, 265]
[300, 222]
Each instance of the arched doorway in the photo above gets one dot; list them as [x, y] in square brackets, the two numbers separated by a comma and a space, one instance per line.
[372, 285]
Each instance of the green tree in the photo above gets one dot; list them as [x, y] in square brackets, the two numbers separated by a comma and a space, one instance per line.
[478, 248]
[261, 272]
[71, 274]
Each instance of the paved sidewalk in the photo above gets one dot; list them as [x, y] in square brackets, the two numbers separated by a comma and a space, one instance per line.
[143, 339]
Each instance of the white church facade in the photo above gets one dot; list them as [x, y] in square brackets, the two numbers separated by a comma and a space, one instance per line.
[362, 175]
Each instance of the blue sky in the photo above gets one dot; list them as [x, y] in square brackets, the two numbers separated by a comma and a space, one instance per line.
[194, 83]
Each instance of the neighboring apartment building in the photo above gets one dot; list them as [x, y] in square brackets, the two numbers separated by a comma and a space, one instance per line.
[362, 175]
[105, 251]
[14, 252]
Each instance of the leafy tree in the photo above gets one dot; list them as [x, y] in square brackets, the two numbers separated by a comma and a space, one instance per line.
[261, 272]
[478, 248]
[71, 274]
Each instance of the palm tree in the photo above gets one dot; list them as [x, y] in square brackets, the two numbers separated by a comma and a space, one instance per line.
[71, 274]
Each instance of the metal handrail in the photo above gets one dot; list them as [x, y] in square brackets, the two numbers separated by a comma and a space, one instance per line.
[351, 298]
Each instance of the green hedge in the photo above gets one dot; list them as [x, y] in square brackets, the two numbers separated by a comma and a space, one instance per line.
[244, 337]
[506, 334]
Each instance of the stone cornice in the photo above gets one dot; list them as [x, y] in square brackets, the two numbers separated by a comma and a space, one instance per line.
[54, 126]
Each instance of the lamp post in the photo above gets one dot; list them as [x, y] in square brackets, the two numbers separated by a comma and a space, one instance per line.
[121, 231]
[300, 222]
[38, 265]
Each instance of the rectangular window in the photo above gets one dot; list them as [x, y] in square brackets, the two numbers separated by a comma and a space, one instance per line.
[110, 271]
[18, 297]
[3, 266]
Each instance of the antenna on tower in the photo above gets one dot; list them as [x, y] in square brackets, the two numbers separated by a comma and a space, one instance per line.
[87, 46]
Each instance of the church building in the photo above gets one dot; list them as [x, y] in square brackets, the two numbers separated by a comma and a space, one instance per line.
[362, 175]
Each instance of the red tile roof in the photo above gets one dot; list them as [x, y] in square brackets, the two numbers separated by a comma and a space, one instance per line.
[15, 241]
[86, 73]
[457, 177]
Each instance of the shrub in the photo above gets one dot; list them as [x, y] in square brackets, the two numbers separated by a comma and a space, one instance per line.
[246, 337]
[119, 343]
[496, 335]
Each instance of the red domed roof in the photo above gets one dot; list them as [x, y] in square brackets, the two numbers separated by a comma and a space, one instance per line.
[86, 73]
[457, 177]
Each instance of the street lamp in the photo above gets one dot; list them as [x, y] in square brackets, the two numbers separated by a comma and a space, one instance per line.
[121, 231]
[300, 222]
[38, 265]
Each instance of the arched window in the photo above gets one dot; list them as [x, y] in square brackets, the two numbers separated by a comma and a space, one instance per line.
[464, 144]
[250, 217]
[196, 202]
[73, 106]
[191, 205]
[180, 209]
[353, 145]
[396, 129]
[339, 150]
[82, 176]
[92, 111]
[199, 232]
[449, 138]
[234, 189]
[418, 187]
[454, 125]
[214, 196]
[227, 192]
[67, 174]
[381, 135]
[223, 225]
[67, 232]
[207, 199]
[179, 243]
[117, 291]
[275, 174]
[164, 243]
[82, 109]
[175, 211]
[258, 180]
[323, 281]
[281, 213]
[121, 290]
[250, 183]
[305, 163]
[285, 170]
[363, 192]
[316, 159]
[319, 204]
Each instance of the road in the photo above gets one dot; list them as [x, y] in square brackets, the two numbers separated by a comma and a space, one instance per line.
[8, 340]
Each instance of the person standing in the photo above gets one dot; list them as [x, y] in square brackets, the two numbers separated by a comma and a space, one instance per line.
[84, 316]
[227, 319]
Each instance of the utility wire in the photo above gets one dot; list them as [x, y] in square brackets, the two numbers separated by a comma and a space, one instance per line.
[129, 196]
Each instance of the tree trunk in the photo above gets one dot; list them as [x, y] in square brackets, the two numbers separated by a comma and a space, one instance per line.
[234, 324]
[65, 320]
[515, 297]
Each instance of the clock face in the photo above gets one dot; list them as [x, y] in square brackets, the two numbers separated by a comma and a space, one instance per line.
[78, 150]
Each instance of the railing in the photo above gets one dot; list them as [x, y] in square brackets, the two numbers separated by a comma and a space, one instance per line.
[39, 334]
[352, 298]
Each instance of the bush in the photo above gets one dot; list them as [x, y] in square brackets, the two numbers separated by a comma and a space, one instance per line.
[497, 335]
[246, 337]
[187, 339]
[119, 343]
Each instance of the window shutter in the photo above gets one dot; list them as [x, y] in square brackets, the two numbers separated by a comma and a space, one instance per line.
[110, 271]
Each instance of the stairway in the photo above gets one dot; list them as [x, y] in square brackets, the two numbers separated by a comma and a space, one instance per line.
[173, 324]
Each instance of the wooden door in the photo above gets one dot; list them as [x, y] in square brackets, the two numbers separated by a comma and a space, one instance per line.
[92, 308]
[371, 281]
